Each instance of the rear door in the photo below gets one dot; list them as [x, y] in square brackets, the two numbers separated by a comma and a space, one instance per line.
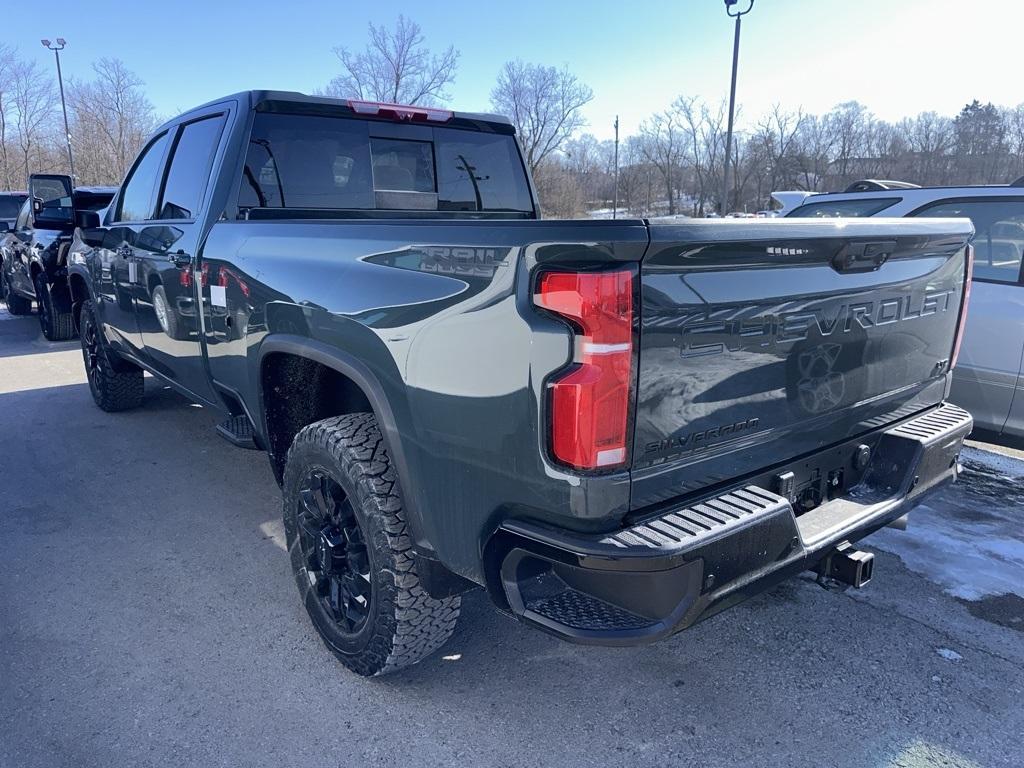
[988, 373]
[762, 341]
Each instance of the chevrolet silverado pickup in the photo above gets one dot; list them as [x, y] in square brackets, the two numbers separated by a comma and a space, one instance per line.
[617, 428]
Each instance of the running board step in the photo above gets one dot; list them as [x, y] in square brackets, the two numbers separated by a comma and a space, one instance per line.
[238, 431]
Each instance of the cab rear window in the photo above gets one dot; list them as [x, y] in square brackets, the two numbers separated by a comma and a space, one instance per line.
[323, 162]
[827, 209]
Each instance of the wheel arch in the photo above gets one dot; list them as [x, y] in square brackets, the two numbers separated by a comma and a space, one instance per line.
[368, 393]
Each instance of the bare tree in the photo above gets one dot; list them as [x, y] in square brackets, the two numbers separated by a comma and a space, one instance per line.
[111, 118]
[395, 67]
[544, 103]
[662, 145]
[7, 61]
[34, 103]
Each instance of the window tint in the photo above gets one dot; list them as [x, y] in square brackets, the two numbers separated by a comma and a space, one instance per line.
[479, 171]
[998, 234]
[304, 161]
[138, 194]
[189, 170]
[828, 209]
[9, 205]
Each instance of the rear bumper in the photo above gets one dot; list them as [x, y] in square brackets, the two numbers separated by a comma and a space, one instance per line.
[668, 572]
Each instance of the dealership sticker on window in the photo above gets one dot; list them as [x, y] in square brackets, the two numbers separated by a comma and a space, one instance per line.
[218, 296]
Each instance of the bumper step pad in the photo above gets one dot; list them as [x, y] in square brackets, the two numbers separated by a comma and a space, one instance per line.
[698, 524]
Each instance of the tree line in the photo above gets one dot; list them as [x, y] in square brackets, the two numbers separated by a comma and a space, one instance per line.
[109, 118]
[672, 165]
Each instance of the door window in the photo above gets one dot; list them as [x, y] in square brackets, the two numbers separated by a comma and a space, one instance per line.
[189, 169]
[998, 234]
[138, 195]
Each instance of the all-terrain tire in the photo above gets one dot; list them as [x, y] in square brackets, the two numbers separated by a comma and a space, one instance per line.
[115, 384]
[403, 624]
[57, 324]
[16, 305]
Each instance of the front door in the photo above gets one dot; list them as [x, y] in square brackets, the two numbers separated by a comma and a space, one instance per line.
[116, 268]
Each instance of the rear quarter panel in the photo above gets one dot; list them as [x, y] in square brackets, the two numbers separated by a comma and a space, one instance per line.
[438, 315]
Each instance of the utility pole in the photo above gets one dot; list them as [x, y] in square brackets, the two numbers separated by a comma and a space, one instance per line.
[61, 42]
[615, 198]
[729, 8]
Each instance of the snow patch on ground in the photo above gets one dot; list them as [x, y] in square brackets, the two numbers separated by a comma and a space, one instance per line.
[970, 537]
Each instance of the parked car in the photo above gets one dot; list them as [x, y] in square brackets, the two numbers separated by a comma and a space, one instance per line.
[989, 380]
[10, 204]
[33, 265]
[615, 427]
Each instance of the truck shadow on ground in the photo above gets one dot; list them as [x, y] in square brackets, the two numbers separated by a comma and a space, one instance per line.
[171, 540]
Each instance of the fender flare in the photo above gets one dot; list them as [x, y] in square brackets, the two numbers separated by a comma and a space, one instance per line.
[350, 366]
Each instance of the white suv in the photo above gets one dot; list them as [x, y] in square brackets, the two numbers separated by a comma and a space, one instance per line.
[989, 378]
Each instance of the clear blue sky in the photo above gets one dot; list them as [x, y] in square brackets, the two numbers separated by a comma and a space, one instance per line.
[898, 57]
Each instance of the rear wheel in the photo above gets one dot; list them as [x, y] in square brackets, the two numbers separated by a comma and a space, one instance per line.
[116, 384]
[57, 325]
[351, 550]
[16, 305]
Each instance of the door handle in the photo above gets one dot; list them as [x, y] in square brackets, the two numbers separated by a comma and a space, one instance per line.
[179, 259]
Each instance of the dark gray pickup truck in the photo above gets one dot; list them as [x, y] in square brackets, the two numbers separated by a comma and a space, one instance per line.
[617, 428]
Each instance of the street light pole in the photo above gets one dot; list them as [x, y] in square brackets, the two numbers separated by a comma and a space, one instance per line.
[729, 9]
[615, 198]
[63, 105]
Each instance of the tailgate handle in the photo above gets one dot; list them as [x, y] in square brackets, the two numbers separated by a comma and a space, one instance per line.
[863, 257]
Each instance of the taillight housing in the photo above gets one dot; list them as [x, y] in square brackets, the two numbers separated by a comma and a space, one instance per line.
[968, 279]
[589, 402]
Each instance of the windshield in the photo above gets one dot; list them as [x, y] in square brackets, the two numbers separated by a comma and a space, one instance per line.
[827, 209]
[312, 161]
[9, 205]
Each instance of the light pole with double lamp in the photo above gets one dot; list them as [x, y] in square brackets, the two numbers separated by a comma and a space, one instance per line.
[732, 9]
[57, 48]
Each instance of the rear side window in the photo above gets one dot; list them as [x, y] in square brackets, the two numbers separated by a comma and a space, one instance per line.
[827, 209]
[189, 170]
[303, 161]
[138, 195]
[998, 234]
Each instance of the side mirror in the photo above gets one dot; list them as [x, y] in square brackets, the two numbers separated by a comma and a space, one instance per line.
[87, 219]
[52, 200]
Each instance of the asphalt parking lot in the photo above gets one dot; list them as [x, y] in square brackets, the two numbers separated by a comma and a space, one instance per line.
[148, 617]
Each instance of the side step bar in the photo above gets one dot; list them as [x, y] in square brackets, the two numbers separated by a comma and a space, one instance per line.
[238, 431]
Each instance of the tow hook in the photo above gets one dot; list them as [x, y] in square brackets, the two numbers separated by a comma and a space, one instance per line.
[846, 565]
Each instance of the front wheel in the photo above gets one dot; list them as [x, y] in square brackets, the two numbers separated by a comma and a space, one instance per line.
[16, 305]
[115, 384]
[351, 550]
[57, 324]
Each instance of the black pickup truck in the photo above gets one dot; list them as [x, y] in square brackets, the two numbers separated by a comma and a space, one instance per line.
[617, 428]
[33, 250]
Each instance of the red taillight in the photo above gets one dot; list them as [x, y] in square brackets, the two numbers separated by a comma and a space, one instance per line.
[589, 404]
[400, 111]
[969, 267]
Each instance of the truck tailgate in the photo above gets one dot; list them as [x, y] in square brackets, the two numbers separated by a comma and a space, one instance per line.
[764, 341]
